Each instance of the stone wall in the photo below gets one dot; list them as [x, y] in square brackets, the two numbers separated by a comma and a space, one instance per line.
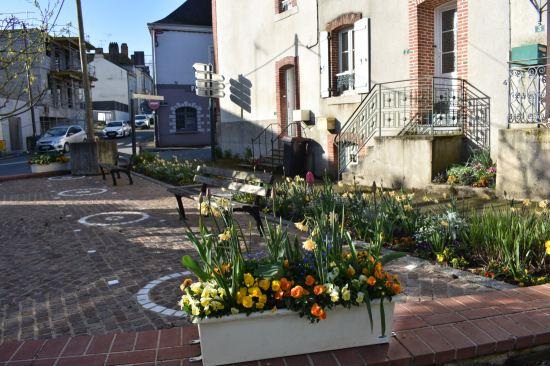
[522, 163]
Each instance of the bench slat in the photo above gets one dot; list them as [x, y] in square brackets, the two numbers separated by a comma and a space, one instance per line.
[235, 174]
[234, 186]
[123, 154]
[112, 167]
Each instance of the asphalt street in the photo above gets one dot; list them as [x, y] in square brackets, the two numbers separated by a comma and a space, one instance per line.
[18, 165]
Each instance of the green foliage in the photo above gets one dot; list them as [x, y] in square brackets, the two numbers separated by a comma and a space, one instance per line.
[218, 152]
[144, 157]
[171, 170]
[48, 158]
[247, 153]
[227, 154]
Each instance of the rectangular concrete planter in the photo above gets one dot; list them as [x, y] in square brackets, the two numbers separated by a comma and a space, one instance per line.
[52, 167]
[241, 338]
[85, 156]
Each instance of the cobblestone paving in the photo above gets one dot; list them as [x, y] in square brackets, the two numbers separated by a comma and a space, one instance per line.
[53, 284]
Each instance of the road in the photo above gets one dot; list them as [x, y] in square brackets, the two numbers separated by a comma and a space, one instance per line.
[18, 165]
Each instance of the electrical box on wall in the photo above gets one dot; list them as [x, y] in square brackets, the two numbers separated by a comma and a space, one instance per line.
[299, 115]
[529, 52]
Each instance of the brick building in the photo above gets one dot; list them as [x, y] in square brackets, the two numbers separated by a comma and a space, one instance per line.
[330, 58]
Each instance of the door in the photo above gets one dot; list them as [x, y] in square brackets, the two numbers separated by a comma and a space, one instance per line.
[15, 133]
[446, 55]
[290, 101]
[71, 135]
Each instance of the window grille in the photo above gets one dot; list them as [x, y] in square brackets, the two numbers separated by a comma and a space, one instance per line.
[186, 119]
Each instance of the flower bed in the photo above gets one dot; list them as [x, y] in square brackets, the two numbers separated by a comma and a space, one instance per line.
[479, 171]
[48, 162]
[172, 170]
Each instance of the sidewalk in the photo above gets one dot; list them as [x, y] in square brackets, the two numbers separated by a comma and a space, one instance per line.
[454, 329]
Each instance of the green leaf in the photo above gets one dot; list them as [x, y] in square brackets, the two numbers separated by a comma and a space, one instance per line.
[382, 316]
[352, 250]
[195, 267]
[369, 310]
[392, 256]
[269, 271]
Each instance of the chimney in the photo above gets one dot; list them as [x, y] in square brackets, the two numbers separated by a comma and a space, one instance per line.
[113, 53]
[99, 51]
[132, 57]
[124, 49]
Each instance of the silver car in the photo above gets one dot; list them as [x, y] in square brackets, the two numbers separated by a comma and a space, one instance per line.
[60, 138]
[143, 121]
[117, 129]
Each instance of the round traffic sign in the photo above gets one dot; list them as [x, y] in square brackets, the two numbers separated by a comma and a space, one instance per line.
[154, 104]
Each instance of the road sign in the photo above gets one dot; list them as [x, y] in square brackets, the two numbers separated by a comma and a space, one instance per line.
[147, 96]
[202, 67]
[210, 93]
[164, 104]
[207, 75]
[154, 104]
[2, 145]
[209, 84]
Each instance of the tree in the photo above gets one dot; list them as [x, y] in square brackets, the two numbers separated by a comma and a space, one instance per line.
[24, 44]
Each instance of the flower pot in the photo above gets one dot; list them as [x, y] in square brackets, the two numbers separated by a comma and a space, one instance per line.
[240, 338]
[52, 167]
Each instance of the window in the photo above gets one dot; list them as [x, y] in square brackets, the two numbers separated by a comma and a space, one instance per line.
[346, 55]
[186, 119]
[286, 5]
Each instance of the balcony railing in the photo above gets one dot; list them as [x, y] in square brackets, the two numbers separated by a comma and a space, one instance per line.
[345, 81]
[527, 93]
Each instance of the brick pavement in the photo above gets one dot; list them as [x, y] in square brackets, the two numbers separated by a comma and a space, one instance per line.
[53, 285]
[428, 332]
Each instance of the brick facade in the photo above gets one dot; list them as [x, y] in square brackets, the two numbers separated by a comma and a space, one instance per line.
[280, 80]
[279, 5]
[334, 27]
[422, 38]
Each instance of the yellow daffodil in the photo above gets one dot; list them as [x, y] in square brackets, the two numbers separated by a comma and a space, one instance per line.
[340, 184]
[301, 226]
[444, 223]
[309, 245]
[224, 236]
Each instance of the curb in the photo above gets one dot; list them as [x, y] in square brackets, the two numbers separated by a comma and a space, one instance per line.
[34, 175]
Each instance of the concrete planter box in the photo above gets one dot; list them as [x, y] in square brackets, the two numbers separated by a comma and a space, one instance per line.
[44, 168]
[454, 190]
[85, 156]
[240, 338]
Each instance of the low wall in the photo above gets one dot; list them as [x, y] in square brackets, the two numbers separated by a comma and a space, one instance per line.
[85, 156]
[407, 161]
[523, 163]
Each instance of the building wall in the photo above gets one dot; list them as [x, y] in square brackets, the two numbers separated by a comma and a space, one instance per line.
[112, 84]
[523, 19]
[177, 52]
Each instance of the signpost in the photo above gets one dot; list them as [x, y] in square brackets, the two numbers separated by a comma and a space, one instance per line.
[209, 85]
[153, 100]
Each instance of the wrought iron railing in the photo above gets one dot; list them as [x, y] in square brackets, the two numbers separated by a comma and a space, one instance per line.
[527, 93]
[345, 81]
[417, 106]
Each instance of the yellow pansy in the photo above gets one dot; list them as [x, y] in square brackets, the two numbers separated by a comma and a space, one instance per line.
[264, 284]
[247, 302]
[275, 285]
[255, 292]
[248, 280]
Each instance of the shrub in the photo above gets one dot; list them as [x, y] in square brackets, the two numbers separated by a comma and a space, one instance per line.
[227, 154]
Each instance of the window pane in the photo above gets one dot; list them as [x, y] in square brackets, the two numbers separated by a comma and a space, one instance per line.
[345, 62]
[449, 20]
[448, 63]
[449, 41]
[344, 41]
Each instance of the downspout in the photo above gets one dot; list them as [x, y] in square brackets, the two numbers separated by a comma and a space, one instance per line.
[310, 47]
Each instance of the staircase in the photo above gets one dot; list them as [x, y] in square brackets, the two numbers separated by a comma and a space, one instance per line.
[408, 107]
[269, 141]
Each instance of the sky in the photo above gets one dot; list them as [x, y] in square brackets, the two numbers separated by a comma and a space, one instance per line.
[122, 21]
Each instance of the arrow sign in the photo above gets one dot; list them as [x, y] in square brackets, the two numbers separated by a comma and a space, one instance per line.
[202, 67]
[210, 93]
[209, 84]
[206, 76]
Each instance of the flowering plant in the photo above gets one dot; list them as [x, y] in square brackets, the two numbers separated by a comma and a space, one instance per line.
[48, 158]
[308, 279]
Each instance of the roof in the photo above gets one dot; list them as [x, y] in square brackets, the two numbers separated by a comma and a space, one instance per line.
[71, 42]
[191, 12]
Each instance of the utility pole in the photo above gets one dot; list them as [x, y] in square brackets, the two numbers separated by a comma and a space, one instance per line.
[29, 81]
[85, 77]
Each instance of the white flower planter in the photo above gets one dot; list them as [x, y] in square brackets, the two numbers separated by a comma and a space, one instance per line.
[52, 167]
[238, 338]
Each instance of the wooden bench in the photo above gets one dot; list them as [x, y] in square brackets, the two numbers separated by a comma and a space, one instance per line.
[239, 182]
[126, 159]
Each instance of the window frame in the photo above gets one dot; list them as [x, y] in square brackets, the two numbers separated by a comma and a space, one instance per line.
[185, 111]
[286, 5]
[351, 56]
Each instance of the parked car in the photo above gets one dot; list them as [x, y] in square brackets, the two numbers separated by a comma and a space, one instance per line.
[117, 129]
[143, 120]
[60, 138]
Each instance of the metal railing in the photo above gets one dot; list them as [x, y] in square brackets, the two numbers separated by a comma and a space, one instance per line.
[527, 93]
[345, 81]
[417, 106]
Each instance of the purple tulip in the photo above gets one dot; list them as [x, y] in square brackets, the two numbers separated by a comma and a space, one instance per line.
[309, 178]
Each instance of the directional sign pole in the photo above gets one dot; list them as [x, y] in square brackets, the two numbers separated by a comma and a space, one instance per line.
[133, 124]
[212, 129]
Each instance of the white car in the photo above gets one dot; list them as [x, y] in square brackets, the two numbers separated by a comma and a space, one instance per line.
[143, 121]
[60, 138]
[117, 129]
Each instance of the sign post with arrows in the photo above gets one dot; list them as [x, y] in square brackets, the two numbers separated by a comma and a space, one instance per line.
[209, 85]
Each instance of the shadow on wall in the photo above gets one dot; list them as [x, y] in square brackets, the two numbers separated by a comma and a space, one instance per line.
[478, 124]
[240, 93]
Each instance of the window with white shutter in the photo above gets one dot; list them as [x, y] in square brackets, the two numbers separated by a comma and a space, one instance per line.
[325, 71]
[362, 56]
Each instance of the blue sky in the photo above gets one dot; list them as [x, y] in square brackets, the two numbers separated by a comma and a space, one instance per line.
[125, 20]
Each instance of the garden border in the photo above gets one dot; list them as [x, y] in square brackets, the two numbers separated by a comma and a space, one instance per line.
[423, 263]
[454, 190]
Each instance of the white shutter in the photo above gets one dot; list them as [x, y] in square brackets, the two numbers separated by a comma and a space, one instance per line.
[325, 72]
[362, 57]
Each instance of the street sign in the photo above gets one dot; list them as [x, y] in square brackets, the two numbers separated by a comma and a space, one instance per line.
[2, 145]
[202, 67]
[164, 104]
[210, 93]
[207, 75]
[539, 28]
[209, 84]
[154, 104]
[147, 96]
